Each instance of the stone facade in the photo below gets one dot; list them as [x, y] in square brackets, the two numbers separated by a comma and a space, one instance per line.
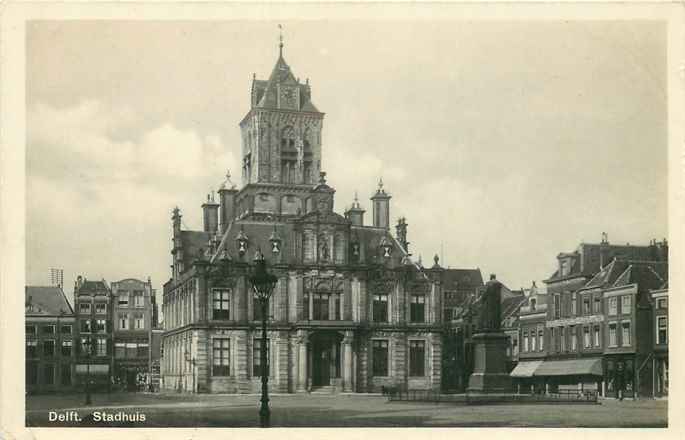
[351, 312]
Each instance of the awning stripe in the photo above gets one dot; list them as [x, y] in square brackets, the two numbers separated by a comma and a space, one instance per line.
[569, 367]
[525, 369]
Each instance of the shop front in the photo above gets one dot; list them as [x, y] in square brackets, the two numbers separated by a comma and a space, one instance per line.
[619, 376]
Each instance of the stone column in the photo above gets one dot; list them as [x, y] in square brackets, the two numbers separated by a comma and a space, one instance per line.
[302, 362]
[347, 358]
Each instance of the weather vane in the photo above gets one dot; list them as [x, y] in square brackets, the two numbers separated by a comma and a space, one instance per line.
[280, 38]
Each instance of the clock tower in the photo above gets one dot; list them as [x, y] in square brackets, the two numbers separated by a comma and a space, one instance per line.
[281, 133]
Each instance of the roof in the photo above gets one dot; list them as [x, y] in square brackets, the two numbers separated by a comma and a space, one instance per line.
[512, 304]
[581, 366]
[46, 300]
[93, 286]
[620, 272]
[193, 243]
[462, 279]
[589, 257]
[264, 93]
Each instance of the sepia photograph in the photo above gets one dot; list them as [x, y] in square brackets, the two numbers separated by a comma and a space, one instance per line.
[291, 223]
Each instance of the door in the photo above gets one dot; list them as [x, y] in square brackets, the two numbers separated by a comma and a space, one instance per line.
[321, 367]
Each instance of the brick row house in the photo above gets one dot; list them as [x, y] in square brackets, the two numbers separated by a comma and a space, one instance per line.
[94, 332]
[134, 320]
[50, 340]
[660, 353]
[351, 311]
[597, 328]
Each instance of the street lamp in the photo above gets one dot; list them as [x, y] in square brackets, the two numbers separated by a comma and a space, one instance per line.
[263, 284]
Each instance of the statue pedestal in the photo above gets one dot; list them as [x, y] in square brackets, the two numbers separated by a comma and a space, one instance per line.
[489, 371]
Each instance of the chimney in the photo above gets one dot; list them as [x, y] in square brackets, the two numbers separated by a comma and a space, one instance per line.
[381, 207]
[356, 213]
[603, 250]
[210, 214]
[401, 230]
[227, 192]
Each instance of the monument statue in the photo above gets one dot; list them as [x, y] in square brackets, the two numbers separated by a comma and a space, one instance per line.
[490, 316]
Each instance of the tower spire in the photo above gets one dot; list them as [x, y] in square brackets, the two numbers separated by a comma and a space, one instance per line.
[280, 40]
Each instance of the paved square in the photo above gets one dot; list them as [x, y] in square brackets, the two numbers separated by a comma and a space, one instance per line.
[176, 410]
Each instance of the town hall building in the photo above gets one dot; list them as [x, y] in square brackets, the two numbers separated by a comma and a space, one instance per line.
[351, 311]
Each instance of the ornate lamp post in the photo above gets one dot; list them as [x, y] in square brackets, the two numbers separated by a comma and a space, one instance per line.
[263, 284]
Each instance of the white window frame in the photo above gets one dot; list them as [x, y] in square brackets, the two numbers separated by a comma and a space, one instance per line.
[613, 306]
[623, 334]
[623, 304]
[658, 327]
[615, 342]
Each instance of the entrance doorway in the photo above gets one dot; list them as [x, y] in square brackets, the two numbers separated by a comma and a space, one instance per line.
[325, 357]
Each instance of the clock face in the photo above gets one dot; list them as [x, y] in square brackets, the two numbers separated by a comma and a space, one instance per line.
[288, 97]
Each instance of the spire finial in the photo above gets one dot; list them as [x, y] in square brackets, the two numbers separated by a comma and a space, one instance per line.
[356, 196]
[280, 40]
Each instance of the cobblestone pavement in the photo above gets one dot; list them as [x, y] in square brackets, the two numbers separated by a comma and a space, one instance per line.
[339, 410]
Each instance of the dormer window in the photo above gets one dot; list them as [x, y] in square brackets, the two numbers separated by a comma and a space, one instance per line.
[532, 304]
[385, 247]
[241, 242]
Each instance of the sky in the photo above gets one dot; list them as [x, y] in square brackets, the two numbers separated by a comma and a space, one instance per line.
[502, 143]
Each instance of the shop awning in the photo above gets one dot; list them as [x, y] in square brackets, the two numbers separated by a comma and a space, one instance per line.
[525, 369]
[570, 367]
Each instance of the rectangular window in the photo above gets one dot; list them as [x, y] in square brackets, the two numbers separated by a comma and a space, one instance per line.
[31, 350]
[101, 348]
[553, 345]
[48, 374]
[66, 348]
[139, 322]
[123, 321]
[321, 306]
[417, 308]
[84, 308]
[533, 340]
[597, 304]
[417, 358]
[30, 330]
[597, 335]
[86, 347]
[562, 339]
[574, 338]
[257, 357]
[138, 298]
[525, 341]
[120, 350]
[338, 306]
[85, 326]
[541, 338]
[587, 342]
[66, 329]
[586, 304]
[100, 308]
[66, 374]
[574, 304]
[613, 306]
[220, 304]
[123, 299]
[626, 304]
[305, 306]
[625, 334]
[380, 357]
[257, 309]
[380, 308]
[557, 307]
[49, 348]
[662, 303]
[220, 357]
[48, 329]
[662, 330]
[612, 335]
[101, 326]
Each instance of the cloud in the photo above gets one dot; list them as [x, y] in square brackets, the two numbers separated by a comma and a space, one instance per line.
[98, 201]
